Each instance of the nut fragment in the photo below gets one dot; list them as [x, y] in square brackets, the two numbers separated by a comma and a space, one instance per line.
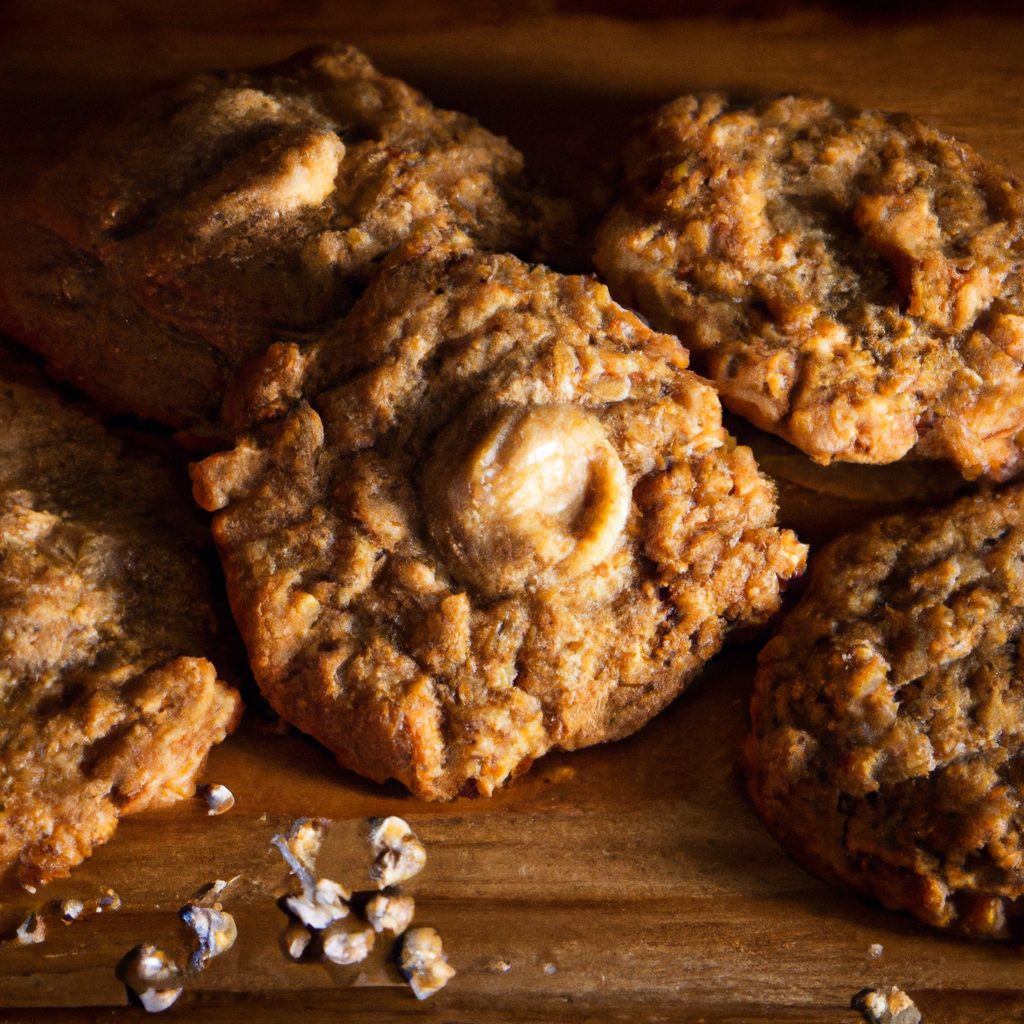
[399, 855]
[391, 912]
[325, 904]
[424, 964]
[215, 929]
[151, 976]
[881, 1007]
[347, 947]
[296, 939]
[31, 930]
[70, 910]
[299, 847]
[109, 901]
[218, 798]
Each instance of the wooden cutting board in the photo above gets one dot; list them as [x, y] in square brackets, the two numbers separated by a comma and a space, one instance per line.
[628, 882]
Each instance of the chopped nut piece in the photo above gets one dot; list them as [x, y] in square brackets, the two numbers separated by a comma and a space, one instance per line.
[498, 966]
[70, 910]
[424, 964]
[319, 908]
[391, 912]
[110, 901]
[218, 798]
[151, 976]
[296, 939]
[347, 947]
[156, 1000]
[31, 930]
[214, 928]
[881, 1007]
[399, 854]
[299, 847]
[876, 949]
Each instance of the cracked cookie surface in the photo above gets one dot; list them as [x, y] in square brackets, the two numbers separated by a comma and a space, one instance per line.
[496, 516]
[850, 281]
[238, 209]
[888, 716]
[107, 704]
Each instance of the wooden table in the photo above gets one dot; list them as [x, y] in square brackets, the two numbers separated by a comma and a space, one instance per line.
[630, 882]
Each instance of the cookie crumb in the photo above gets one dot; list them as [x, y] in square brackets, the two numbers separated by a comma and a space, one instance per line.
[881, 1007]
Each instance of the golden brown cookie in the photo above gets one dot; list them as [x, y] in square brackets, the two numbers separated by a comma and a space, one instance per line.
[238, 209]
[850, 281]
[107, 705]
[500, 516]
[888, 720]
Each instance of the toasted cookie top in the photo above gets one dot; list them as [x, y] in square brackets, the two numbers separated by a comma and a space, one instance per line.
[240, 208]
[107, 703]
[850, 281]
[495, 515]
[889, 715]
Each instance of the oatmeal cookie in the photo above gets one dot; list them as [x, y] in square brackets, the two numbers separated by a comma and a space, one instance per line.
[887, 750]
[239, 209]
[850, 281]
[106, 704]
[499, 517]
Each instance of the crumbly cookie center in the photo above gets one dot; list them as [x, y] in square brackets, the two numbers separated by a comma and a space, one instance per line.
[543, 493]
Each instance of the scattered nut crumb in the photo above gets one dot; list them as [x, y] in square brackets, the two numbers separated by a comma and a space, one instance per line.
[296, 939]
[325, 904]
[299, 846]
[391, 912]
[31, 930]
[881, 1007]
[218, 798]
[423, 962]
[497, 966]
[347, 947]
[151, 976]
[70, 910]
[110, 901]
[215, 929]
[876, 949]
[550, 968]
[206, 896]
[399, 854]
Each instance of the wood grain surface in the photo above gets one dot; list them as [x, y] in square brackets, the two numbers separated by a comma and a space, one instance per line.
[630, 882]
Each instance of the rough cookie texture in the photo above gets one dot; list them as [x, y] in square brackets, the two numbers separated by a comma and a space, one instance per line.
[851, 282]
[503, 517]
[242, 208]
[888, 718]
[106, 706]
